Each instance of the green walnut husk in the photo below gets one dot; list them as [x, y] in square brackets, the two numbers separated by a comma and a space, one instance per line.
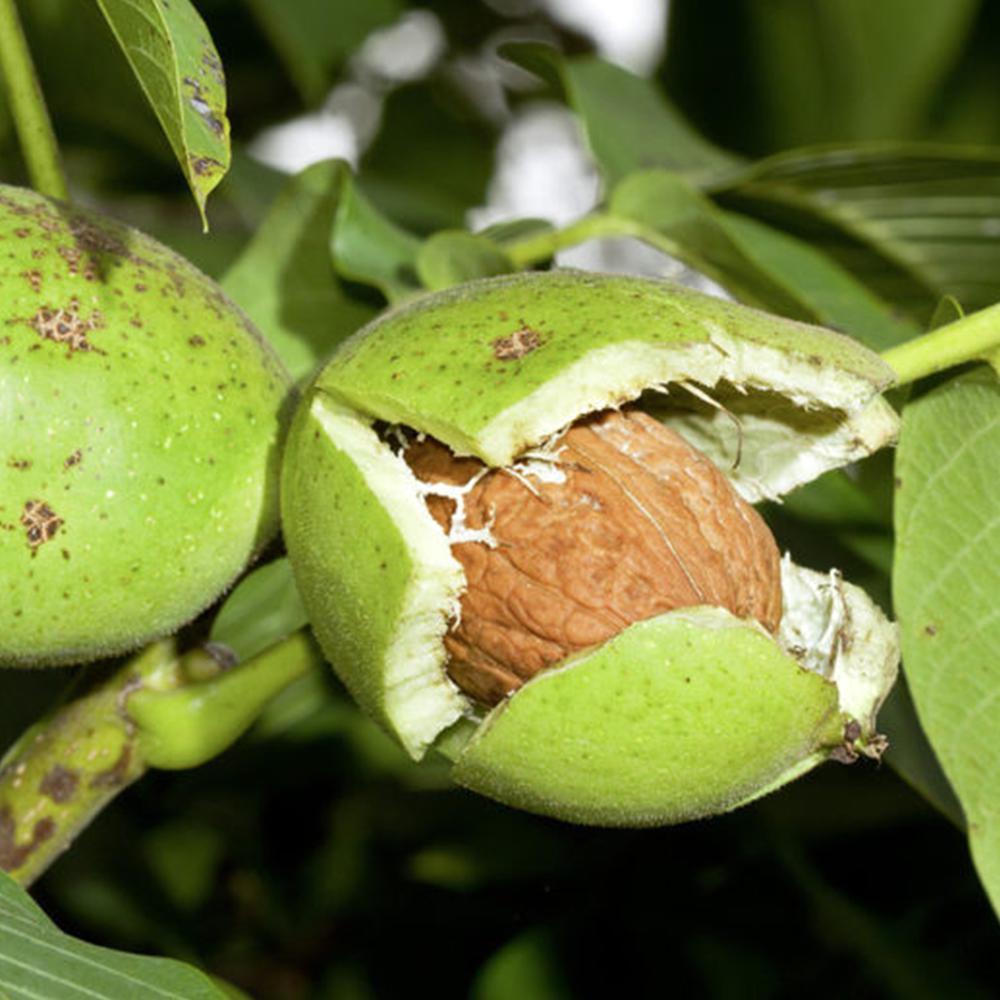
[684, 715]
[140, 415]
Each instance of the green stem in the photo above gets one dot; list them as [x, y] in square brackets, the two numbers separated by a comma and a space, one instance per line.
[186, 726]
[158, 710]
[31, 118]
[535, 249]
[971, 338]
[67, 767]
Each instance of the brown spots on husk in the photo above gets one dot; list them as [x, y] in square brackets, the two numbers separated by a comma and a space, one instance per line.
[74, 257]
[516, 345]
[34, 278]
[66, 326]
[41, 523]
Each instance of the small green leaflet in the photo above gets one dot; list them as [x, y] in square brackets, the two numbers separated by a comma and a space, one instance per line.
[453, 256]
[946, 585]
[39, 962]
[173, 57]
[262, 610]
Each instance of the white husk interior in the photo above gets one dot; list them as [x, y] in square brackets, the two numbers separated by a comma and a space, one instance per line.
[841, 418]
[835, 629]
[418, 696]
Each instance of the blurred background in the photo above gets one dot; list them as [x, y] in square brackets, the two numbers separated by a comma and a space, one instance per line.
[314, 860]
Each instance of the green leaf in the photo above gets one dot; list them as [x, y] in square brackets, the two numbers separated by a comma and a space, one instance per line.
[453, 256]
[261, 611]
[285, 279]
[250, 188]
[184, 856]
[524, 967]
[945, 587]
[313, 39]
[801, 73]
[629, 124]
[368, 247]
[39, 960]
[432, 158]
[855, 68]
[911, 754]
[913, 222]
[172, 55]
[835, 498]
[757, 263]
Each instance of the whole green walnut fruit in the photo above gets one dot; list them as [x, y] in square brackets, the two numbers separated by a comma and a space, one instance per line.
[442, 495]
[140, 418]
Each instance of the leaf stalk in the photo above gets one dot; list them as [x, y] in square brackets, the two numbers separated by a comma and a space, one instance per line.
[31, 117]
[975, 337]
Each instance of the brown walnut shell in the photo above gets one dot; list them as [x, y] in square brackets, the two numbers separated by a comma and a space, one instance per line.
[627, 521]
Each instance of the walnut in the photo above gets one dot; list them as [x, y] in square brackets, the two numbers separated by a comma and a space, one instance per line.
[622, 520]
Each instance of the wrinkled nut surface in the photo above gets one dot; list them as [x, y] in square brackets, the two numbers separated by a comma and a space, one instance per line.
[619, 521]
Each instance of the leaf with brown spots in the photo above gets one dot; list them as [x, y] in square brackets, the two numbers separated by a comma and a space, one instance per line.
[177, 66]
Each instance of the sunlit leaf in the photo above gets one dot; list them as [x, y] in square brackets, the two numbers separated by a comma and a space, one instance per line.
[945, 586]
[38, 960]
[173, 57]
[628, 122]
[516, 229]
[757, 263]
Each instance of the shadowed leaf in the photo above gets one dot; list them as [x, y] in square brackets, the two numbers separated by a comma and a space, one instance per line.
[285, 278]
[912, 222]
